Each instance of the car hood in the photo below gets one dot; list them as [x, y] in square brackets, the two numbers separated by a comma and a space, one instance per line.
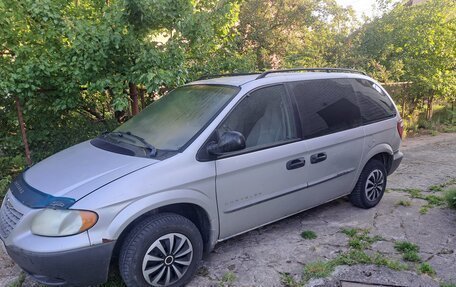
[81, 169]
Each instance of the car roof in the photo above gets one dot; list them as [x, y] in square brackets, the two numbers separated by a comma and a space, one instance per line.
[240, 80]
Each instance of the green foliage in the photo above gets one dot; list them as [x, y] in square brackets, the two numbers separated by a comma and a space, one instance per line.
[288, 281]
[434, 200]
[405, 246]
[414, 44]
[359, 238]
[319, 269]
[436, 188]
[227, 279]
[294, 33]
[19, 281]
[71, 63]
[308, 234]
[353, 257]
[381, 260]
[350, 232]
[404, 203]
[450, 198]
[424, 209]
[426, 268]
[411, 256]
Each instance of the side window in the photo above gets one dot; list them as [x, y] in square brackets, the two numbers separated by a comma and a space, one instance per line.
[263, 117]
[326, 106]
[374, 103]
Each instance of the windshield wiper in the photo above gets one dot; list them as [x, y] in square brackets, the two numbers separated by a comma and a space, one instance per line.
[151, 148]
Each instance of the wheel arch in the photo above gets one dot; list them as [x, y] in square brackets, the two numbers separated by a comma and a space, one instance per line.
[382, 152]
[196, 211]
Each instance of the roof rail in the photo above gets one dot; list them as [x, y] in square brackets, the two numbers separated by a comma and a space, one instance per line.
[205, 77]
[328, 70]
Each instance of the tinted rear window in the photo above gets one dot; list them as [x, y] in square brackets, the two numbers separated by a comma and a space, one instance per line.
[326, 106]
[373, 102]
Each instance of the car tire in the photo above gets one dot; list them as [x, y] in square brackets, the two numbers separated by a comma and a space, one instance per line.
[162, 250]
[371, 185]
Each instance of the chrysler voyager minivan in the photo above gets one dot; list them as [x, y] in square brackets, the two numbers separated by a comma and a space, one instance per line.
[210, 160]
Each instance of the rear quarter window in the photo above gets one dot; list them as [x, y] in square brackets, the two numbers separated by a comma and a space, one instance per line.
[373, 102]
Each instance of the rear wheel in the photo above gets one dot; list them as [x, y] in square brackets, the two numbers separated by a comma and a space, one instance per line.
[163, 250]
[371, 185]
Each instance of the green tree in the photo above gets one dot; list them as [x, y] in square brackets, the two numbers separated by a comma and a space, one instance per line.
[415, 44]
[289, 33]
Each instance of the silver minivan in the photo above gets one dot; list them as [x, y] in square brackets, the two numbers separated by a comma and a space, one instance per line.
[210, 160]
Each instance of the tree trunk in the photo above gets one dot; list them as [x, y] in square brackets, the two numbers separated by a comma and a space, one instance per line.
[141, 96]
[23, 131]
[404, 102]
[452, 111]
[134, 99]
[429, 108]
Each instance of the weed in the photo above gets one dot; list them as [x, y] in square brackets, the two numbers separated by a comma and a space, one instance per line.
[317, 269]
[411, 256]
[359, 238]
[426, 268]
[353, 257]
[308, 234]
[441, 187]
[424, 209]
[414, 193]
[449, 129]
[288, 281]
[227, 279]
[436, 188]
[350, 232]
[404, 203]
[19, 281]
[202, 271]
[381, 260]
[450, 198]
[447, 285]
[435, 200]
[405, 246]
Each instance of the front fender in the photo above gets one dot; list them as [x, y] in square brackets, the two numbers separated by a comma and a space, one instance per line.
[146, 204]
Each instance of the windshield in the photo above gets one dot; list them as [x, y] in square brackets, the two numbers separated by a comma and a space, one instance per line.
[176, 118]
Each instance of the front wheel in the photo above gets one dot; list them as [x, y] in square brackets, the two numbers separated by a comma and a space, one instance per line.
[371, 185]
[163, 250]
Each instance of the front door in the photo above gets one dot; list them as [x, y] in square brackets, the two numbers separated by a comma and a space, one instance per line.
[265, 181]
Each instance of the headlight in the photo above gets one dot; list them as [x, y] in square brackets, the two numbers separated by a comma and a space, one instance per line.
[63, 222]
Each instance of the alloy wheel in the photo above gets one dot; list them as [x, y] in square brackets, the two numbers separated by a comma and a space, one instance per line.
[374, 185]
[167, 259]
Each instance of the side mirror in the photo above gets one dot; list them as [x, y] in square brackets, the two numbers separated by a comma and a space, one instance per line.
[229, 141]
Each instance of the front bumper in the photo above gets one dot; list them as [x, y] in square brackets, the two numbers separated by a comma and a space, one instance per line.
[397, 158]
[79, 267]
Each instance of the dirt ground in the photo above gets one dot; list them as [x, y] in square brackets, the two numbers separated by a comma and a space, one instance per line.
[262, 257]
